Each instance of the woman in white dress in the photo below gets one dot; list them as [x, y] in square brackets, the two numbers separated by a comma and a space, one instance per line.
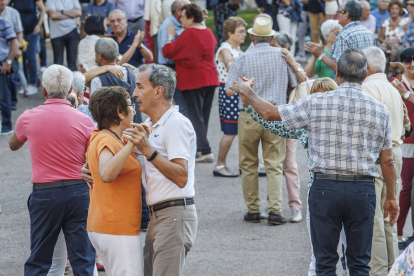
[234, 29]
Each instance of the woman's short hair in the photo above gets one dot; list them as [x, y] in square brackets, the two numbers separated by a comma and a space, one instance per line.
[231, 24]
[398, 3]
[94, 24]
[324, 84]
[78, 82]
[328, 26]
[193, 11]
[284, 38]
[105, 103]
[407, 54]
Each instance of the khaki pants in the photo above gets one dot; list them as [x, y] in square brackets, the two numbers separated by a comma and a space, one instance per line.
[170, 236]
[316, 20]
[274, 150]
[384, 240]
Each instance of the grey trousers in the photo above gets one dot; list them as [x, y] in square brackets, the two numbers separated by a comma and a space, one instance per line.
[170, 235]
[136, 26]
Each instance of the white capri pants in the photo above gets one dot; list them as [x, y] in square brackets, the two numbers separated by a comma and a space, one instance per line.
[331, 7]
[120, 255]
[286, 25]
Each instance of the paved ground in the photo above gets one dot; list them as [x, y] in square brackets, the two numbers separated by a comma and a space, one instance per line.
[225, 244]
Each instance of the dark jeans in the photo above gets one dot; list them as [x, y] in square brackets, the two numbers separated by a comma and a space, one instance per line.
[268, 10]
[70, 42]
[30, 57]
[6, 102]
[179, 96]
[53, 210]
[13, 87]
[332, 204]
[43, 53]
[199, 103]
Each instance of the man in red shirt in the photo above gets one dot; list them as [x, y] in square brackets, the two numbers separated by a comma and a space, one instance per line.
[58, 137]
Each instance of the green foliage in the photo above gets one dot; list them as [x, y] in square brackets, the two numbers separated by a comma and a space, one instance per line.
[248, 16]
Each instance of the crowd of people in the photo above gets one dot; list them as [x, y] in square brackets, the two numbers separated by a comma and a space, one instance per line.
[344, 104]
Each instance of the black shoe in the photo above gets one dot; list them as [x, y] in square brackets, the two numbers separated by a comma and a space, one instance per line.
[275, 219]
[255, 217]
[258, 173]
[403, 245]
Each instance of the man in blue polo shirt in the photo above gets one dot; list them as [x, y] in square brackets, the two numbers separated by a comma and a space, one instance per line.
[131, 45]
[381, 13]
[162, 37]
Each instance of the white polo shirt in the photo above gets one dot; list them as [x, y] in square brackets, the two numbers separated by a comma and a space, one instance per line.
[173, 136]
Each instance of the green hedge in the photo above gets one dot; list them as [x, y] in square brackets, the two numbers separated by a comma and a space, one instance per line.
[248, 16]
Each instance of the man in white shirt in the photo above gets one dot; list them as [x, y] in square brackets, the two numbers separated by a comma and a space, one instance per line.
[168, 142]
[367, 19]
[63, 30]
[384, 240]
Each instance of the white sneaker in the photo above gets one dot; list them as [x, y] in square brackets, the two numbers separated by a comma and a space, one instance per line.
[21, 91]
[208, 158]
[31, 90]
[42, 69]
[296, 216]
[299, 58]
[7, 132]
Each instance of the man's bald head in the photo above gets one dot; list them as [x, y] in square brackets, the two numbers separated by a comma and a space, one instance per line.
[366, 10]
[177, 4]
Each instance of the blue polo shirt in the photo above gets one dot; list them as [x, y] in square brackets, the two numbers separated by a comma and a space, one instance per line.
[380, 16]
[137, 59]
[103, 9]
[162, 37]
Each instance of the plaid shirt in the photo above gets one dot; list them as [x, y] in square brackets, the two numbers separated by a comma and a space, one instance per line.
[347, 129]
[266, 64]
[353, 35]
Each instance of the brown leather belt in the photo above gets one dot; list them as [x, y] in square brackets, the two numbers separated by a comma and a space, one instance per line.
[171, 203]
[57, 184]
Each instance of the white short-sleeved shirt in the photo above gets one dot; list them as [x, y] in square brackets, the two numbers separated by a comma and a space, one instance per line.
[173, 136]
[62, 27]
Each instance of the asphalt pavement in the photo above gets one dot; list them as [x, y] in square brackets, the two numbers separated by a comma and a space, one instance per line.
[225, 243]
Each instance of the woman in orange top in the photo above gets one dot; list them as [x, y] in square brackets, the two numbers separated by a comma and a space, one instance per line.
[114, 216]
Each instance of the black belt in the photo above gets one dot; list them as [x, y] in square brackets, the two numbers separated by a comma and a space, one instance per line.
[134, 20]
[171, 203]
[57, 184]
[345, 178]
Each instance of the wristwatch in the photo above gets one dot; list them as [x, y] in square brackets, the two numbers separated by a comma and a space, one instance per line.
[8, 61]
[407, 94]
[170, 38]
[61, 11]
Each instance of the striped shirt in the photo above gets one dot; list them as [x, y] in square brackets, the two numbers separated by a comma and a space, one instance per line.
[353, 35]
[6, 34]
[272, 74]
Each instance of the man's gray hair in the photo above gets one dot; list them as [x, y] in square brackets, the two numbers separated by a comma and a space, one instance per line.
[260, 39]
[354, 9]
[78, 82]
[161, 76]
[119, 11]
[57, 81]
[108, 48]
[328, 26]
[174, 6]
[352, 65]
[376, 59]
[284, 39]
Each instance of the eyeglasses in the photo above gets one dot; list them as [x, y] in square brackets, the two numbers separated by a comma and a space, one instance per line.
[411, 5]
[343, 12]
[132, 106]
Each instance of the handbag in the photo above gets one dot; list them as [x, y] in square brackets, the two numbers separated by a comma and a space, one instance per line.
[301, 91]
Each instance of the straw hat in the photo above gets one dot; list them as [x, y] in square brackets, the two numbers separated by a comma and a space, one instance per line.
[262, 27]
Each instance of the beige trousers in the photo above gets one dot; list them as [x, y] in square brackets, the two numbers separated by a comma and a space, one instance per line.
[170, 236]
[384, 240]
[250, 134]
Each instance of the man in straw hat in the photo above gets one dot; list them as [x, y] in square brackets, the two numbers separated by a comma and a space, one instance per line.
[273, 78]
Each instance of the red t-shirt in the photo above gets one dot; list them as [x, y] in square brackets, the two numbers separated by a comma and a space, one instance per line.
[193, 53]
[58, 137]
[410, 108]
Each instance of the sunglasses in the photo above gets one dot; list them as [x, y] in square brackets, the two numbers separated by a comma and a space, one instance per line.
[411, 5]
[343, 12]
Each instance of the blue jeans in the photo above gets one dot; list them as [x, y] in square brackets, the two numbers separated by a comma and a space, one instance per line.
[30, 57]
[181, 102]
[43, 52]
[53, 210]
[70, 42]
[332, 204]
[13, 88]
[6, 102]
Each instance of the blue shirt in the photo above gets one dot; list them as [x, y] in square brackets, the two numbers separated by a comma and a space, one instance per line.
[103, 9]
[162, 37]
[380, 16]
[373, 4]
[28, 14]
[137, 58]
[409, 34]
[6, 34]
